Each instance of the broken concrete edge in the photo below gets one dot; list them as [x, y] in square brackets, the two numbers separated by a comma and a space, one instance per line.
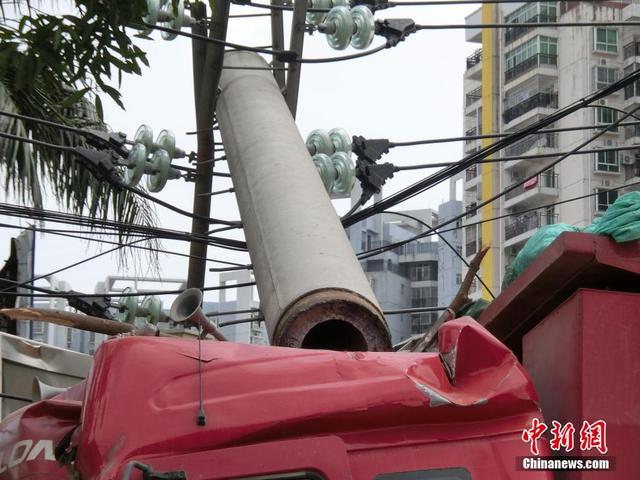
[320, 306]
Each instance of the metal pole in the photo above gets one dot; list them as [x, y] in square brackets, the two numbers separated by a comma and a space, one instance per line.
[313, 292]
[207, 65]
[277, 42]
[296, 45]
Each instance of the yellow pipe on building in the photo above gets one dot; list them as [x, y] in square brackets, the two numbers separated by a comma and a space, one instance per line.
[489, 64]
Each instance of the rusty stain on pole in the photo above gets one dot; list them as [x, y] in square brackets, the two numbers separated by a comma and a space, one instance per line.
[313, 292]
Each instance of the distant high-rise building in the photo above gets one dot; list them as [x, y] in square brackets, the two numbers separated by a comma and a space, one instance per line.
[410, 276]
[523, 74]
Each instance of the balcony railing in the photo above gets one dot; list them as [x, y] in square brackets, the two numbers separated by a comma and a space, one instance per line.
[529, 64]
[540, 99]
[530, 221]
[416, 248]
[547, 179]
[470, 248]
[471, 209]
[474, 59]
[515, 32]
[632, 171]
[547, 140]
[631, 131]
[631, 50]
[473, 96]
[472, 172]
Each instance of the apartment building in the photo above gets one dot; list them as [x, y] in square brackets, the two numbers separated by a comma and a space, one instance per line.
[522, 74]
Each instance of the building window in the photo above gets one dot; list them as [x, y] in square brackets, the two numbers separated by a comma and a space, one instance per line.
[372, 282]
[604, 198]
[421, 322]
[603, 77]
[458, 278]
[424, 297]
[421, 271]
[605, 116]
[402, 289]
[605, 40]
[539, 50]
[607, 161]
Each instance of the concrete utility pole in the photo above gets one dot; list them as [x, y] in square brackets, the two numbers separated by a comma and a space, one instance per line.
[313, 292]
[207, 66]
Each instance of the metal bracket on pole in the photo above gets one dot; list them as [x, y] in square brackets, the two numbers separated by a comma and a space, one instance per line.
[277, 43]
[296, 45]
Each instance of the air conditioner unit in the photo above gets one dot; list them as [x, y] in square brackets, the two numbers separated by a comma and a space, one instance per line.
[603, 102]
[606, 183]
[608, 142]
[627, 160]
[603, 61]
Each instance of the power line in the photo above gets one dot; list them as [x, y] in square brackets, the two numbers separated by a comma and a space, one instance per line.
[48, 293]
[70, 234]
[414, 143]
[80, 220]
[521, 157]
[85, 260]
[485, 152]
[451, 247]
[527, 178]
[119, 183]
[377, 251]
[466, 26]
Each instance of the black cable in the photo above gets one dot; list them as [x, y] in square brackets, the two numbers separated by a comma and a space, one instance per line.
[122, 185]
[430, 141]
[465, 26]
[70, 234]
[282, 55]
[80, 220]
[85, 260]
[48, 293]
[521, 157]
[455, 250]
[399, 311]
[375, 251]
[234, 312]
[220, 192]
[485, 152]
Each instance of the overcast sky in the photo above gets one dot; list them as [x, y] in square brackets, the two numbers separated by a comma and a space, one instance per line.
[413, 91]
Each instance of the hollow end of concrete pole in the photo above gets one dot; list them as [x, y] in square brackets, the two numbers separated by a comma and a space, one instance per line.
[333, 320]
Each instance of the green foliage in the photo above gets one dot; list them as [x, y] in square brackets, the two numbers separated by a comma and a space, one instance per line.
[53, 67]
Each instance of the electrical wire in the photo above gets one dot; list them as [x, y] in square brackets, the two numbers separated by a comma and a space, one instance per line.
[375, 251]
[68, 267]
[521, 157]
[80, 220]
[122, 185]
[529, 177]
[466, 26]
[414, 143]
[485, 152]
[72, 234]
[48, 293]
[282, 55]
[441, 237]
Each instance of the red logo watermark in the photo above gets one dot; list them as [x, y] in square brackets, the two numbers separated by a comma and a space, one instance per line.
[592, 436]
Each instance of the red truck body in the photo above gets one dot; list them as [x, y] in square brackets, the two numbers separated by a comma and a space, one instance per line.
[285, 412]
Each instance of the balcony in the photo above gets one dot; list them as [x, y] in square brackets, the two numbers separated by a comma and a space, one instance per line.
[632, 174]
[513, 33]
[523, 226]
[473, 96]
[470, 248]
[531, 63]
[474, 65]
[631, 50]
[537, 100]
[632, 134]
[538, 189]
[531, 145]
[472, 173]
[631, 92]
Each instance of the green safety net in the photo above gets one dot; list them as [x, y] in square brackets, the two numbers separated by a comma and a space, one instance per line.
[621, 221]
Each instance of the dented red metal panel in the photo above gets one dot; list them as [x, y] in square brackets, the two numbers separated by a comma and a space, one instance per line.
[583, 360]
[572, 261]
[347, 415]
